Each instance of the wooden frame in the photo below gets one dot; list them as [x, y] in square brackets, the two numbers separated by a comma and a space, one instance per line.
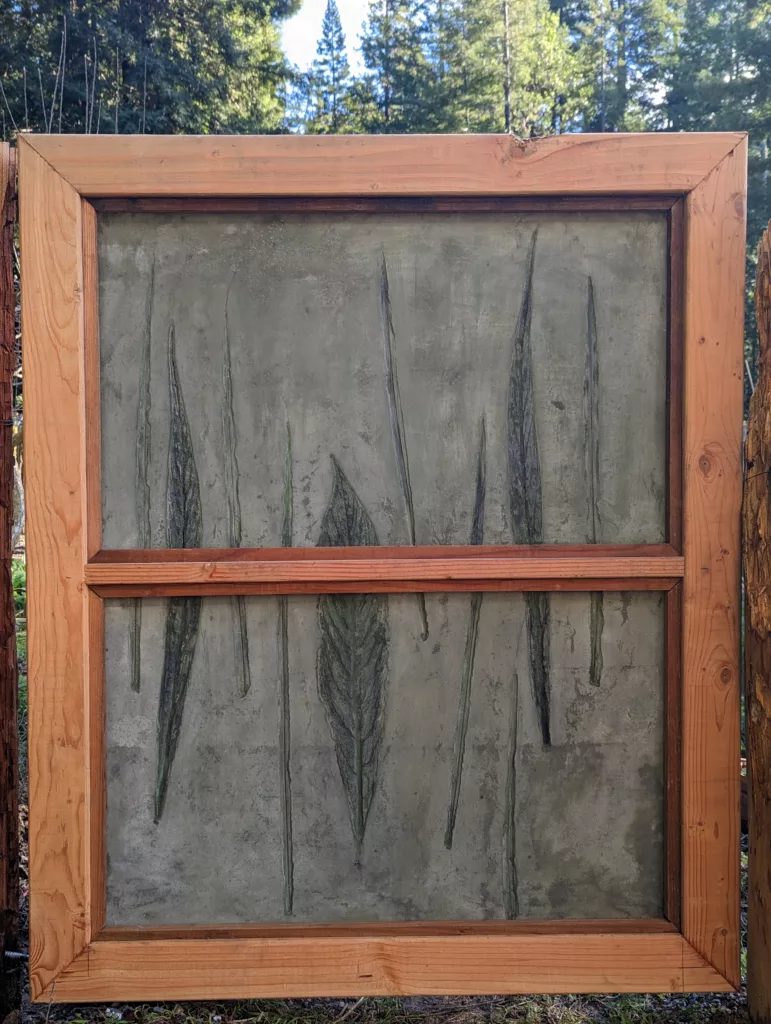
[700, 181]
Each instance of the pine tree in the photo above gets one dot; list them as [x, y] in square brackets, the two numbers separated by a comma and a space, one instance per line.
[626, 52]
[394, 95]
[330, 78]
[172, 66]
[722, 82]
[501, 65]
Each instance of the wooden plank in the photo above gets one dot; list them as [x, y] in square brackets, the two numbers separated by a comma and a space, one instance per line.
[390, 204]
[123, 590]
[51, 239]
[311, 571]
[351, 165]
[96, 767]
[673, 755]
[757, 576]
[675, 348]
[615, 926]
[385, 965]
[9, 681]
[92, 438]
[714, 314]
[428, 551]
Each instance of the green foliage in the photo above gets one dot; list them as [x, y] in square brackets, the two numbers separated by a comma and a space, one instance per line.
[393, 96]
[329, 81]
[161, 66]
[19, 583]
[722, 82]
[626, 52]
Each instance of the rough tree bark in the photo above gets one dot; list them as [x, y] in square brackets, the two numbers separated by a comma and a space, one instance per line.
[757, 575]
[9, 814]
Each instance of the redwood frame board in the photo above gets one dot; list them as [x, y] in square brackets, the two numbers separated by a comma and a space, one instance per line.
[699, 181]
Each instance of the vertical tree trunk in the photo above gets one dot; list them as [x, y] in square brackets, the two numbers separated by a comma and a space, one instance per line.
[757, 575]
[506, 69]
[9, 814]
[621, 69]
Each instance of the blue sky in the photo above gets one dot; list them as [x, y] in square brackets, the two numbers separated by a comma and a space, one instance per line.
[301, 33]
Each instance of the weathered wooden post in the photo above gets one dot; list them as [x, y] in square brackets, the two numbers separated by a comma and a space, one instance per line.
[9, 817]
[757, 571]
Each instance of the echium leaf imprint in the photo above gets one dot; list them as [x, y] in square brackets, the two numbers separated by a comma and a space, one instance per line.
[525, 489]
[352, 660]
[183, 530]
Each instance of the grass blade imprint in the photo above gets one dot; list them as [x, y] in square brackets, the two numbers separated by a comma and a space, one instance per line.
[352, 660]
[284, 741]
[142, 480]
[183, 530]
[396, 417]
[237, 602]
[525, 489]
[467, 674]
[592, 471]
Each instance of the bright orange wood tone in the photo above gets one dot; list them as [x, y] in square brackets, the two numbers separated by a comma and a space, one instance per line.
[92, 434]
[308, 570]
[714, 319]
[386, 965]
[52, 311]
[67, 785]
[430, 165]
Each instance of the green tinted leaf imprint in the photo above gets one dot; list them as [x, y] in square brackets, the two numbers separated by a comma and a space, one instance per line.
[184, 529]
[525, 490]
[352, 659]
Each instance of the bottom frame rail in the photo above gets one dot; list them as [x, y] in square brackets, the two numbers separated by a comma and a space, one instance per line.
[548, 962]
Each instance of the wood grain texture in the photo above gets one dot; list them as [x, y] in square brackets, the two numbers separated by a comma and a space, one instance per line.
[389, 204]
[675, 348]
[386, 965]
[673, 754]
[333, 570]
[546, 926]
[431, 165]
[714, 315]
[757, 577]
[357, 553]
[52, 311]
[9, 681]
[122, 590]
[91, 409]
[96, 767]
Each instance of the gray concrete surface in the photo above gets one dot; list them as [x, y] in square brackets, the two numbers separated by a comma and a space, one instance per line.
[307, 347]
[589, 810]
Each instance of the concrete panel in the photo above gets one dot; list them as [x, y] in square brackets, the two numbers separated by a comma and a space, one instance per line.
[587, 811]
[305, 331]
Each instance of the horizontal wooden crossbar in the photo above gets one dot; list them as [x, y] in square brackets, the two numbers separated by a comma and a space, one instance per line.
[515, 572]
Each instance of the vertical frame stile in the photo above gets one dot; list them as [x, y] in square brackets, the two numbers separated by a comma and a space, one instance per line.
[673, 755]
[93, 611]
[52, 318]
[96, 769]
[674, 598]
[713, 385]
[91, 410]
[675, 349]
[9, 677]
